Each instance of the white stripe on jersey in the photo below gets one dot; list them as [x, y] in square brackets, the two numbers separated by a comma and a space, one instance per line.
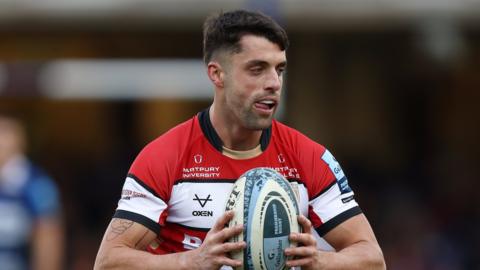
[198, 204]
[329, 204]
[135, 198]
[303, 200]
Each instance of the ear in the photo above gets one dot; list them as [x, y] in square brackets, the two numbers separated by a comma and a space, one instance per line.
[215, 73]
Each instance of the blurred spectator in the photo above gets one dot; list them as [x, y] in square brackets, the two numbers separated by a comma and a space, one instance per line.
[31, 230]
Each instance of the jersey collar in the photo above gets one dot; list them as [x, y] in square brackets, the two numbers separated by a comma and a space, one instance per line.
[214, 139]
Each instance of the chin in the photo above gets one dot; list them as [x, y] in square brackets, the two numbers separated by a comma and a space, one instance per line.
[259, 124]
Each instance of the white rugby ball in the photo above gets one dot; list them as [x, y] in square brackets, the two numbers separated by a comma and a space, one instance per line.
[266, 204]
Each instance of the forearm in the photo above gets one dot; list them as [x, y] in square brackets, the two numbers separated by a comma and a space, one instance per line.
[124, 245]
[356, 247]
[125, 258]
[363, 255]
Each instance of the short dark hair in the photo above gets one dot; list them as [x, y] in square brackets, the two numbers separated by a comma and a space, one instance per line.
[223, 31]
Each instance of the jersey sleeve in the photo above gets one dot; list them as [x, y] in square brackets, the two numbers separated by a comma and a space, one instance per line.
[145, 193]
[331, 200]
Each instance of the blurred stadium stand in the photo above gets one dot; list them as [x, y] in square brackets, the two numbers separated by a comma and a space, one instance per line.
[391, 87]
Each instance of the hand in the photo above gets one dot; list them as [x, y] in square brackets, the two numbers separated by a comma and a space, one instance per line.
[306, 254]
[213, 253]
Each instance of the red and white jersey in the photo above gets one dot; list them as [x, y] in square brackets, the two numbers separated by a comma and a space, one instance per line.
[179, 183]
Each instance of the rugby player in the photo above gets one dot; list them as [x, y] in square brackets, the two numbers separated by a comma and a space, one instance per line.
[171, 211]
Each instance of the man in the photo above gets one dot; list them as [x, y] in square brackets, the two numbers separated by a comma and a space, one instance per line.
[173, 199]
[31, 232]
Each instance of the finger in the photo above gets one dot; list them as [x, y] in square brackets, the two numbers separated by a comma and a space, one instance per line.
[222, 221]
[224, 260]
[303, 238]
[300, 251]
[305, 223]
[299, 262]
[225, 234]
[229, 247]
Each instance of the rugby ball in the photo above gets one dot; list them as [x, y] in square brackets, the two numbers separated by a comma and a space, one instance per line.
[266, 204]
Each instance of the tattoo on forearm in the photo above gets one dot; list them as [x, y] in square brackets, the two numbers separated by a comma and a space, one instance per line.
[118, 227]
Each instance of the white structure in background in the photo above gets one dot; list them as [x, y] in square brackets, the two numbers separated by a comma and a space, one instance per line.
[130, 80]
[125, 79]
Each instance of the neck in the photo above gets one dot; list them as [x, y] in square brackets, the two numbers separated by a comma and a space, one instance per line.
[233, 135]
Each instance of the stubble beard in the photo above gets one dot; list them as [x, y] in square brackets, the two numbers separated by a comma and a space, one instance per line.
[244, 112]
[255, 122]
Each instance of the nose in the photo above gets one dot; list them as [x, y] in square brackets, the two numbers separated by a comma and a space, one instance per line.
[273, 81]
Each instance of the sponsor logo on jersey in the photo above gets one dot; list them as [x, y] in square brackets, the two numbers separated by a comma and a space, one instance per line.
[343, 185]
[202, 213]
[202, 202]
[347, 199]
[198, 158]
[334, 166]
[201, 172]
[130, 194]
[287, 171]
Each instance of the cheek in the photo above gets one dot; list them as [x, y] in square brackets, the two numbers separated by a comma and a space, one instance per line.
[249, 85]
[243, 86]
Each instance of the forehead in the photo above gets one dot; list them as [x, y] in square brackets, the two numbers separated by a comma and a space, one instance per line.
[256, 48]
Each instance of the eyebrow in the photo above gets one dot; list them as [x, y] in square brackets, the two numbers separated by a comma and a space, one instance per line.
[264, 63]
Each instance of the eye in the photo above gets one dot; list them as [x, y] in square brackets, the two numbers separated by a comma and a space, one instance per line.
[280, 71]
[256, 70]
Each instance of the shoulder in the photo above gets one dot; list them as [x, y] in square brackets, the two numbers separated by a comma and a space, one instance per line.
[308, 156]
[161, 156]
[294, 139]
[175, 139]
[155, 166]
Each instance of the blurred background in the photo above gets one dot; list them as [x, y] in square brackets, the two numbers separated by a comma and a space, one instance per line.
[391, 87]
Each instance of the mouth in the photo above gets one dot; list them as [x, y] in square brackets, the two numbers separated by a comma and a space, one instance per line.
[266, 105]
